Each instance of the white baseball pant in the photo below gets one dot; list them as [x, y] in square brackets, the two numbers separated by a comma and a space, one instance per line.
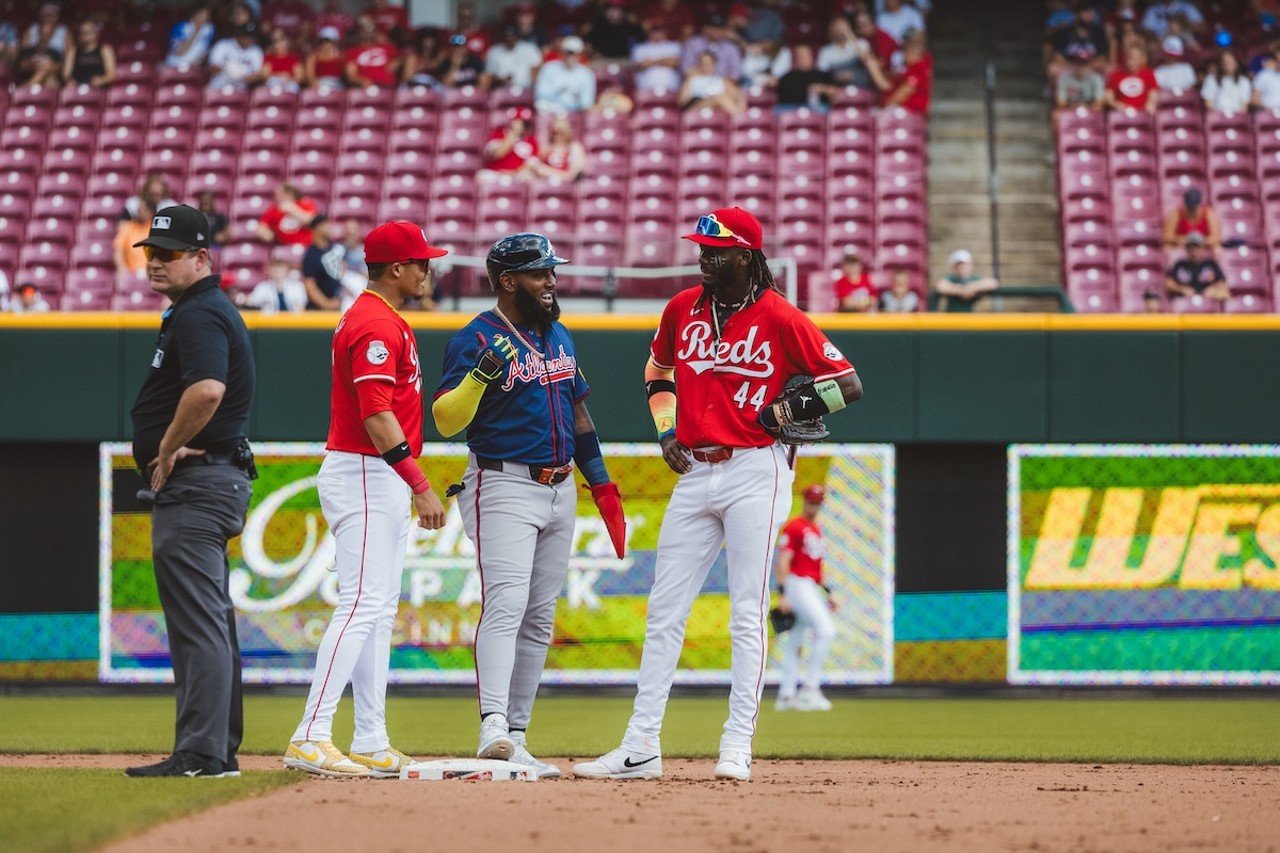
[809, 604]
[522, 530]
[739, 503]
[367, 507]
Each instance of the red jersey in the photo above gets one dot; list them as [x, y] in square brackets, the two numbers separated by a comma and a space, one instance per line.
[373, 343]
[286, 229]
[389, 18]
[525, 148]
[802, 538]
[921, 75]
[846, 287]
[281, 66]
[1193, 226]
[721, 386]
[1132, 87]
[373, 62]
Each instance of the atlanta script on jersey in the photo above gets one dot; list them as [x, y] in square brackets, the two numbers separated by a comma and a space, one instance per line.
[721, 385]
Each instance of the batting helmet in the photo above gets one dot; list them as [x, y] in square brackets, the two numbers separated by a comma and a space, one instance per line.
[521, 253]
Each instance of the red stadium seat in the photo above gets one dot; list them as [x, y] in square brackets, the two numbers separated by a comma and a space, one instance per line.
[272, 142]
[1249, 303]
[182, 95]
[1196, 304]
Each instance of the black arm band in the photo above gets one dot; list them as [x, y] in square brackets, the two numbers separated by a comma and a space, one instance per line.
[395, 454]
[805, 403]
[657, 386]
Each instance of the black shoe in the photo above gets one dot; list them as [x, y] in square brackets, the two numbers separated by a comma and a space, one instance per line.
[231, 768]
[181, 763]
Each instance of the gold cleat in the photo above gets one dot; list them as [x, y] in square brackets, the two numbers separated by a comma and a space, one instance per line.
[322, 758]
[383, 764]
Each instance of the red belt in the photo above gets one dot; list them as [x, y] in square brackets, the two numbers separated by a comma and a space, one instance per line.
[719, 454]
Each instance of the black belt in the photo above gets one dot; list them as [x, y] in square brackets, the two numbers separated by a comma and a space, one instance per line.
[208, 459]
[551, 476]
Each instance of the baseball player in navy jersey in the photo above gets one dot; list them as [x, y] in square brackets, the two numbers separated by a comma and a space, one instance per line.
[718, 366]
[511, 379]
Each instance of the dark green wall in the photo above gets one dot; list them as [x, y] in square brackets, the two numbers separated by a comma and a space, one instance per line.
[921, 386]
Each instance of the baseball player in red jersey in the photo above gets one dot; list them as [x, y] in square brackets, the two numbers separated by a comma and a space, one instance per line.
[799, 575]
[368, 476]
[718, 365]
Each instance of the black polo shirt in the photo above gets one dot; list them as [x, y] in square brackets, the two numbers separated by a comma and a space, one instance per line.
[201, 337]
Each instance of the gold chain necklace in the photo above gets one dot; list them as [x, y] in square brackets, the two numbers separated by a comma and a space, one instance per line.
[384, 299]
[528, 345]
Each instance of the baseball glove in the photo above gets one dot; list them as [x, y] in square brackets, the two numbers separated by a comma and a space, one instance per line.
[781, 622]
[800, 432]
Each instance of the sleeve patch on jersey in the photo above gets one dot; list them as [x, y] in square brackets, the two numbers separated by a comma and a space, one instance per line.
[377, 353]
[829, 350]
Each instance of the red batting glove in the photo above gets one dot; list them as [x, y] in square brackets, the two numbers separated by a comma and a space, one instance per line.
[609, 502]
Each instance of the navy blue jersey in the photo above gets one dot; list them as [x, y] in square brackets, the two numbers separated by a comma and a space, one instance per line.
[527, 415]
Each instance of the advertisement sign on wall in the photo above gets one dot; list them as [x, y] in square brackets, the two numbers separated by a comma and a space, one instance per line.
[1144, 564]
[284, 589]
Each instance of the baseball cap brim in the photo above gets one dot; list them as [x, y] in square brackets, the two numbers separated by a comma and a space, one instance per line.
[163, 242]
[720, 242]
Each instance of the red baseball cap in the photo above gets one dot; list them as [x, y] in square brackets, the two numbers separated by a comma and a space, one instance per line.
[728, 227]
[814, 494]
[399, 241]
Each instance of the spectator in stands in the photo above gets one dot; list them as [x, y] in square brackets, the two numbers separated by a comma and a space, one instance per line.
[1079, 86]
[563, 158]
[89, 62]
[420, 61]
[219, 224]
[1084, 41]
[373, 60]
[190, 40]
[281, 65]
[511, 62]
[912, 88]
[130, 260]
[47, 32]
[656, 62]
[391, 20]
[1192, 217]
[322, 270]
[1266, 84]
[1151, 302]
[613, 99]
[897, 19]
[9, 46]
[1179, 29]
[764, 63]
[235, 17]
[804, 85]
[842, 56]
[511, 150]
[1197, 274]
[612, 33]
[675, 18]
[333, 15]
[28, 300]
[4, 292]
[1134, 86]
[526, 23]
[707, 88]
[716, 39]
[292, 17]
[1175, 73]
[1159, 12]
[764, 23]
[325, 66]
[961, 287]
[40, 61]
[154, 191]
[900, 298]
[1229, 90]
[282, 291]
[353, 247]
[883, 45]
[236, 61]
[290, 220]
[566, 85]
[459, 67]
[855, 292]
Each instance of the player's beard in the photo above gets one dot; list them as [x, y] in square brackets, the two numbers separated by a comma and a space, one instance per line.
[531, 307]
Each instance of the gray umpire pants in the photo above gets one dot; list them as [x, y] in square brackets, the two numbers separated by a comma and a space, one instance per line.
[199, 509]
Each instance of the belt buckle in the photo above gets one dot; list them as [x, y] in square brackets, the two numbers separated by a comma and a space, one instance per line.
[545, 475]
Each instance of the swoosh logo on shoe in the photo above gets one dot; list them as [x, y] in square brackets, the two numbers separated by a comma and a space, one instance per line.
[192, 773]
[310, 753]
[382, 763]
[627, 762]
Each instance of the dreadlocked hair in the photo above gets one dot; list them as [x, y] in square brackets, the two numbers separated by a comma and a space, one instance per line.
[758, 277]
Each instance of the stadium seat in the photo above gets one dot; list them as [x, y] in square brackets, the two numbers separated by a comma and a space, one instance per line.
[359, 161]
[1196, 304]
[181, 95]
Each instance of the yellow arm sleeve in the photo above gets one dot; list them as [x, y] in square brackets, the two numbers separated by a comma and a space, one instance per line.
[454, 409]
[662, 404]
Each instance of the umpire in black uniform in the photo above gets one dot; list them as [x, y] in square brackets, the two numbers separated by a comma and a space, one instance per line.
[188, 441]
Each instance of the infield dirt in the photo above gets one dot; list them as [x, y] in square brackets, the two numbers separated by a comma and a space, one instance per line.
[789, 805]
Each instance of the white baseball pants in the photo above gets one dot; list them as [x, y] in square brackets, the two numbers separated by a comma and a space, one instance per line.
[522, 531]
[739, 503]
[809, 603]
[367, 507]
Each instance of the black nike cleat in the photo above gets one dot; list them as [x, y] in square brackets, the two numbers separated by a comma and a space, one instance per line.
[182, 763]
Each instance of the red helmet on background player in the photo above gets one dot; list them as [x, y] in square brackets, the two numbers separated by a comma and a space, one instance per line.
[814, 494]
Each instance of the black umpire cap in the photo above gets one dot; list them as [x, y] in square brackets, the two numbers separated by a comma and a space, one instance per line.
[179, 227]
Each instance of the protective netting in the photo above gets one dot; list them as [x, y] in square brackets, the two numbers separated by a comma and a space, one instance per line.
[284, 591]
[1145, 564]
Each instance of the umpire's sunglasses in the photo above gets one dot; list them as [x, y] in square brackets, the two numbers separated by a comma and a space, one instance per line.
[164, 256]
[709, 226]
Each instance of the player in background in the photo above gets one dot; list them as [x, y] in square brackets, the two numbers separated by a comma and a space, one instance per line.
[718, 364]
[511, 379]
[798, 572]
[376, 411]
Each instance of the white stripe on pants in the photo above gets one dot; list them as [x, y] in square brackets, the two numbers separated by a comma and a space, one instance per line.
[809, 603]
[739, 503]
[367, 507]
[522, 531]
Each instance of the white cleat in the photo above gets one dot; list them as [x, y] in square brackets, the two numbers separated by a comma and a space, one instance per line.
[621, 763]
[522, 756]
[495, 739]
[734, 764]
[811, 699]
[322, 758]
[785, 703]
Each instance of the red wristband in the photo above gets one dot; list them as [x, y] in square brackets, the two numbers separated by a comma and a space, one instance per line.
[409, 471]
